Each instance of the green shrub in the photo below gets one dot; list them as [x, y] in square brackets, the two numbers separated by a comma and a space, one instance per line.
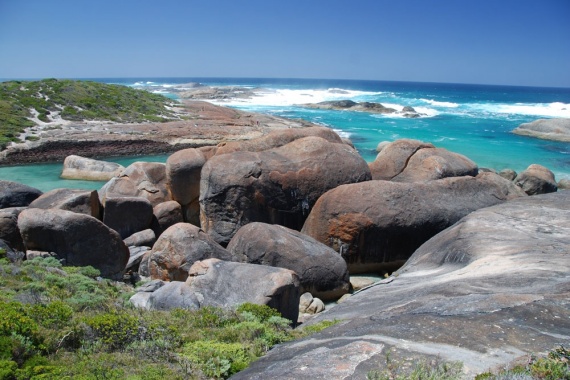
[261, 312]
[7, 369]
[114, 329]
[216, 359]
[55, 314]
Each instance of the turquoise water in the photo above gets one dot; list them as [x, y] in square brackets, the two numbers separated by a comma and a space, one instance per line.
[473, 120]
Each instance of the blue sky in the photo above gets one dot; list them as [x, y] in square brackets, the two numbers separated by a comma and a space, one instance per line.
[514, 42]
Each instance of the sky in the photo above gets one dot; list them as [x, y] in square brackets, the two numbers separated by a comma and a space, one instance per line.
[508, 42]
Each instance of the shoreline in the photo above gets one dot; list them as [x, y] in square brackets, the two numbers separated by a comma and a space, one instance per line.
[205, 124]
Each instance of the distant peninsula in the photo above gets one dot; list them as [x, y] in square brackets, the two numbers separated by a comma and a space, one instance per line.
[47, 120]
[349, 105]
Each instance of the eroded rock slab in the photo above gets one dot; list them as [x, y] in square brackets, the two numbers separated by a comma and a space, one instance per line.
[487, 291]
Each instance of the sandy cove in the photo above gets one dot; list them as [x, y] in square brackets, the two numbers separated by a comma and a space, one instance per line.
[204, 124]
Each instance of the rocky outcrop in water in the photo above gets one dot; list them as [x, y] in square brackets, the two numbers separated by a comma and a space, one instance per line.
[547, 129]
[76, 167]
[349, 105]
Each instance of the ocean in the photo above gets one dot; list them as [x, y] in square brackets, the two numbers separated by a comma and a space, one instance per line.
[474, 120]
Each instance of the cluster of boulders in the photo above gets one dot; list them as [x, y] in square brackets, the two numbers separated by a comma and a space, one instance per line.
[265, 220]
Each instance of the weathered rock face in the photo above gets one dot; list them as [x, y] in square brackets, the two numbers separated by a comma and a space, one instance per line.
[509, 174]
[9, 231]
[508, 188]
[14, 194]
[78, 239]
[278, 186]
[140, 179]
[414, 161]
[564, 184]
[77, 167]
[178, 248]
[128, 215]
[549, 129]
[321, 270]
[226, 284]
[487, 291]
[80, 201]
[536, 179]
[393, 158]
[276, 139]
[183, 176]
[377, 225]
[166, 214]
[144, 238]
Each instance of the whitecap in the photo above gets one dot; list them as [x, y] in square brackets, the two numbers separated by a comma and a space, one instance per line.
[555, 109]
[440, 104]
[342, 134]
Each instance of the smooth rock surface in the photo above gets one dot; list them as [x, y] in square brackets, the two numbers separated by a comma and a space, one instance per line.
[414, 161]
[557, 129]
[321, 270]
[140, 179]
[88, 169]
[277, 186]
[9, 231]
[128, 215]
[226, 284]
[14, 194]
[76, 200]
[78, 239]
[377, 225]
[178, 248]
[536, 179]
[488, 291]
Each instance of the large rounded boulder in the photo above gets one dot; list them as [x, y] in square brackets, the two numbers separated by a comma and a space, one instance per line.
[128, 215]
[536, 179]
[227, 285]
[183, 170]
[77, 167]
[277, 186]
[489, 291]
[14, 194]
[78, 239]
[178, 248]
[377, 225]
[76, 200]
[321, 270]
[9, 231]
[140, 179]
[415, 161]
[277, 138]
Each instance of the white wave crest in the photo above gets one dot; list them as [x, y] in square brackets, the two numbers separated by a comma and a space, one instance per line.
[440, 104]
[556, 109]
[290, 97]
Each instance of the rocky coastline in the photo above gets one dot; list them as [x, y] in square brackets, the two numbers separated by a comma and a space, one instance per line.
[252, 208]
[205, 125]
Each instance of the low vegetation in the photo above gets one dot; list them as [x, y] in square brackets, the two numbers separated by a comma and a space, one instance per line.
[68, 323]
[555, 366]
[74, 100]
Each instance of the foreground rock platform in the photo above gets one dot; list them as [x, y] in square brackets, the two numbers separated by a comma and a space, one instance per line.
[487, 292]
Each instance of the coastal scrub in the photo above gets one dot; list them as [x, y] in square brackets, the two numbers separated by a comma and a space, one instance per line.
[69, 323]
[24, 104]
